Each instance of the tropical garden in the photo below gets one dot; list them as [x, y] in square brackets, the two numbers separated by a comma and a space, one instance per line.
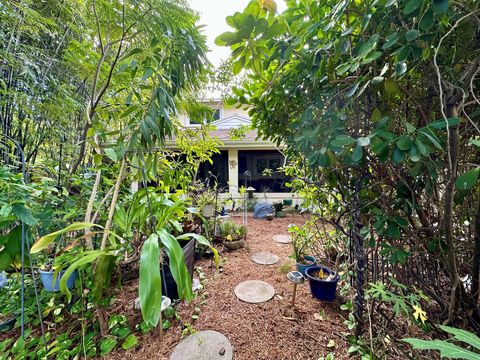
[376, 106]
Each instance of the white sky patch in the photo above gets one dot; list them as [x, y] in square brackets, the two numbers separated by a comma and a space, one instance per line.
[212, 15]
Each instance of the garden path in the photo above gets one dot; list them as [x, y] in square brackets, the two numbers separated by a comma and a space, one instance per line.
[265, 331]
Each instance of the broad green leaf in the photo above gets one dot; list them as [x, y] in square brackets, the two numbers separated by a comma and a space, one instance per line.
[468, 179]
[103, 274]
[177, 264]
[46, 240]
[442, 124]
[440, 6]
[446, 349]
[427, 20]
[391, 86]
[411, 35]
[342, 140]
[150, 283]
[363, 141]
[111, 154]
[130, 342]
[107, 344]
[463, 335]
[401, 68]
[357, 153]
[411, 6]
[352, 89]
[398, 156]
[391, 40]
[23, 214]
[474, 142]
[404, 143]
[368, 46]
[82, 259]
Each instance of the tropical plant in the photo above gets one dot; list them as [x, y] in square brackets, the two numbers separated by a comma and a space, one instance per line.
[469, 351]
[302, 238]
[229, 231]
[376, 104]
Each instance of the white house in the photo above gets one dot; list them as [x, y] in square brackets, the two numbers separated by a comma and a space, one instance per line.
[243, 161]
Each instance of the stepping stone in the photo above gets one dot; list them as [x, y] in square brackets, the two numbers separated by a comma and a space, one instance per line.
[254, 291]
[282, 239]
[203, 345]
[265, 258]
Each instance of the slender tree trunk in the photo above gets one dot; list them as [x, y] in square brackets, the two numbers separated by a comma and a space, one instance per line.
[88, 213]
[476, 257]
[448, 204]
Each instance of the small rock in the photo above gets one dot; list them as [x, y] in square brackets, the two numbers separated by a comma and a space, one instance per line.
[136, 305]
[222, 351]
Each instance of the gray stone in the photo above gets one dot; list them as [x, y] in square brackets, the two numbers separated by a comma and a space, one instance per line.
[203, 345]
[265, 258]
[282, 239]
[254, 291]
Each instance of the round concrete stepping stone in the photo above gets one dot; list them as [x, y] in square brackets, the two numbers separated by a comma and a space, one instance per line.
[254, 291]
[282, 239]
[203, 345]
[265, 258]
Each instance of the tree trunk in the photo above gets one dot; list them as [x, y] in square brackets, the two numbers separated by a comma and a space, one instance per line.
[448, 203]
[476, 257]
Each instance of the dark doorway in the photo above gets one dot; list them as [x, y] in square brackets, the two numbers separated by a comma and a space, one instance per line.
[219, 168]
[258, 162]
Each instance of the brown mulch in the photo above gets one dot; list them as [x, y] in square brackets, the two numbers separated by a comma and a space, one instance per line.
[271, 330]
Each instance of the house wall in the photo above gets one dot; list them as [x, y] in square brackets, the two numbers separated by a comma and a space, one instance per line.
[226, 112]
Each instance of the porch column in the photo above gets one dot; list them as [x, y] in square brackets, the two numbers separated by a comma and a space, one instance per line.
[233, 171]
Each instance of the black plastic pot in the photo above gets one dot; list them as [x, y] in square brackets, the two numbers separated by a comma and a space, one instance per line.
[169, 286]
[322, 289]
[8, 324]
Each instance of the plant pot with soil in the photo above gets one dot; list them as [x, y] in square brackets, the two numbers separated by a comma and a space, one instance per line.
[305, 262]
[323, 282]
[52, 284]
[302, 239]
[233, 235]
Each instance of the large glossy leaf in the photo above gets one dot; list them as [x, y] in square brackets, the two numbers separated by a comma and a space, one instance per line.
[103, 275]
[150, 283]
[177, 264]
[85, 258]
[447, 350]
[468, 179]
[463, 335]
[46, 240]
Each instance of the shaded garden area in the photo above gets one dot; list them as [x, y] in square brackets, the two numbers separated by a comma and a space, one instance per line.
[118, 238]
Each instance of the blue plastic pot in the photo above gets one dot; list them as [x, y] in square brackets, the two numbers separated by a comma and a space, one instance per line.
[322, 289]
[302, 268]
[47, 280]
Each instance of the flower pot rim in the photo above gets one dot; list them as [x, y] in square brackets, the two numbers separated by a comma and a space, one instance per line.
[317, 267]
[312, 259]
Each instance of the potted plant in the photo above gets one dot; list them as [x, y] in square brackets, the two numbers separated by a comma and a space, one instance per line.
[51, 270]
[206, 202]
[8, 307]
[323, 282]
[278, 207]
[301, 241]
[233, 235]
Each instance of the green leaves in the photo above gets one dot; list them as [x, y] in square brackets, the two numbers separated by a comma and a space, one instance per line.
[368, 46]
[177, 264]
[448, 349]
[467, 180]
[404, 143]
[411, 35]
[411, 6]
[46, 240]
[342, 140]
[150, 283]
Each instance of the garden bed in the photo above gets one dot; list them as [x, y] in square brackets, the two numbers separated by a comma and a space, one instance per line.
[264, 331]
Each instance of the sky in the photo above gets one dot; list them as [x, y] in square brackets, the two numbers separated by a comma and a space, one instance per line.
[212, 15]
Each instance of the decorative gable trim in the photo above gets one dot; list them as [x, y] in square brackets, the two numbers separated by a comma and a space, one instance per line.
[231, 122]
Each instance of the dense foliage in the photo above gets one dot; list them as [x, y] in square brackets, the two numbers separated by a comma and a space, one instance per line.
[377, 105]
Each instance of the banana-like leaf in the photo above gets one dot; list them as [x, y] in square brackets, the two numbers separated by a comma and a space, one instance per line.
[83, 259]
[46, 240]
[103, 275]
[177, 264]
[203, 241]
[150, 283]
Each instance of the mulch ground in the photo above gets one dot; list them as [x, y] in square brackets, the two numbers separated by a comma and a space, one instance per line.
[270, 330]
